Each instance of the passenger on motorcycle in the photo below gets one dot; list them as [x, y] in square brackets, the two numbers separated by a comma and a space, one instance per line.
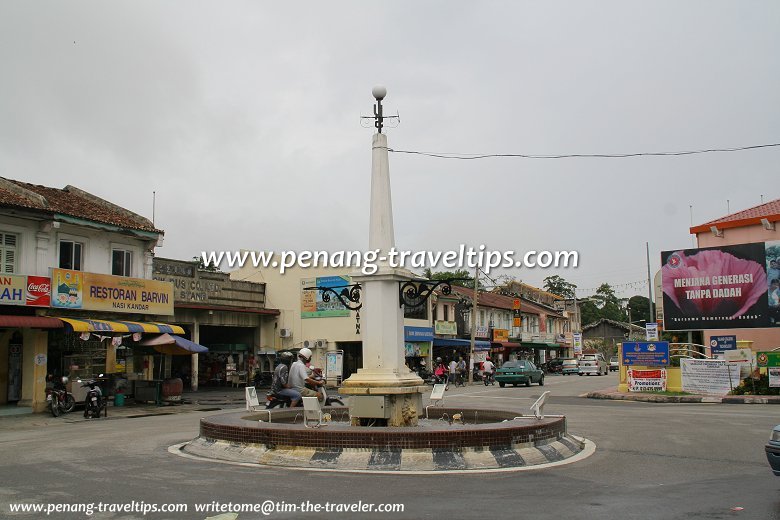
[488, 369]
[281, 386]
[440, 372]
[299, 376]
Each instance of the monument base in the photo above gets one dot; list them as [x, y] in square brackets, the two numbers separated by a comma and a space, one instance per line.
[384, 398]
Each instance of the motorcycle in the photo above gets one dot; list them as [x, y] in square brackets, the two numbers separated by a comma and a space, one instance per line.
[59, 399]
[488, 378]
[272, 400]
[93, 402]
[433, 379]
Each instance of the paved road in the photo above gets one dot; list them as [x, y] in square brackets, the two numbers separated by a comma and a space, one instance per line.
[652, 461]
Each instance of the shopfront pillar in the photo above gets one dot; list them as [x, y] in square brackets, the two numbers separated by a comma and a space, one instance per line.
[34, 365]
[194, 361]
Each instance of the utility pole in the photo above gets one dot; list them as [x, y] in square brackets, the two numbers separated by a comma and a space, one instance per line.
[651, 318]
[473, 323]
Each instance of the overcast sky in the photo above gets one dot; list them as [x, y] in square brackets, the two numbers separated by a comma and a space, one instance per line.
[244, 117]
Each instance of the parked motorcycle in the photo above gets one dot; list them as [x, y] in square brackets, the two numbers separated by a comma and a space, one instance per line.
[58, 399]
[93, 402]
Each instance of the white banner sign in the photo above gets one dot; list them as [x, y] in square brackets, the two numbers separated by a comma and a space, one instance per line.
[774, 376]
[577, 341]
[651, 332]
[742, 357]
[708, 376]
[643, 380]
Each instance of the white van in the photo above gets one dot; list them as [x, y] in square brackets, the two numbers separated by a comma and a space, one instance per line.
[592, 364]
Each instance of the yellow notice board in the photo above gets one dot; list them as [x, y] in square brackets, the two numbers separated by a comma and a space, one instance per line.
[105, 292]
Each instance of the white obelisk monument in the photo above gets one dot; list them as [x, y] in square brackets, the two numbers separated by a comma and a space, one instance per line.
[384, 391]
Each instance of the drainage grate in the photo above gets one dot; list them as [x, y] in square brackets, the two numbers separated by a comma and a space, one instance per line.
[207, 409]
[148, 415]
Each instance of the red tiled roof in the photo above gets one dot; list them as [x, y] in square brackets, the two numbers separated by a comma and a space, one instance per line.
[751, 216]
[70, 201]
[498, 301]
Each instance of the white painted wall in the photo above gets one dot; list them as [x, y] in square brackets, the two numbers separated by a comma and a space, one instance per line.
[283, 292]
[38, 247]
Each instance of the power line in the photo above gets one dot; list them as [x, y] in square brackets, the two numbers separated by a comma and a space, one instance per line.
[465, 156]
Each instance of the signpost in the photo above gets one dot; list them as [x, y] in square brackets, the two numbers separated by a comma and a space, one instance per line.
[577, 343]
[646, 353]
[770, 361]
[720, 344]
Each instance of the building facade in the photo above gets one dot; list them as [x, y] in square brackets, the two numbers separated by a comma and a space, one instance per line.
[77, 288]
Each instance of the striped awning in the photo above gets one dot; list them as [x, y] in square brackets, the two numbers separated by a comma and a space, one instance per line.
[78, 325]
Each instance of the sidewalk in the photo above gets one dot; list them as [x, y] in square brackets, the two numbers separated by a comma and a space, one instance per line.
[200, 401]
[612, 393]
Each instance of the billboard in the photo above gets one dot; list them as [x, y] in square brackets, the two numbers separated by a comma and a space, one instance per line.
[313, 305]
[735, 286]
[105, 292]
[33, 291]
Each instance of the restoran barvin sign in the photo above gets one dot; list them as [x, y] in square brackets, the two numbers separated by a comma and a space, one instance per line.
[736, 286]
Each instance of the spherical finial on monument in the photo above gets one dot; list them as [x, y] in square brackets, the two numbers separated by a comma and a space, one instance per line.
[379, 92]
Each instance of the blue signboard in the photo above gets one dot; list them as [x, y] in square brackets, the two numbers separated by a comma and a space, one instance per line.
[647, 353]
[719, 344]
[418, 333]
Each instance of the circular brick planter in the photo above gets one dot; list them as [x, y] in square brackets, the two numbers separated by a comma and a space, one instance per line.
[494, 429]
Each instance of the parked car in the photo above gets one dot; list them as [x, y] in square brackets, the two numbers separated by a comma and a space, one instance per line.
[519, 372]
[773, 450]
[614, 364]
[569, 367]
[553, 366]
[593, 364]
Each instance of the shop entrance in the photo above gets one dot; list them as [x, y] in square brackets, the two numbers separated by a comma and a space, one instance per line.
[353, 356]
[14, 370]
[230, 360]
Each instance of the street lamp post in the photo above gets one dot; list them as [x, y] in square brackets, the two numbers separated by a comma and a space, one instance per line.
[473, 325]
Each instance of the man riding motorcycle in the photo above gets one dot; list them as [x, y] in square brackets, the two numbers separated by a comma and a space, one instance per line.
[300, 376]
[281, 386]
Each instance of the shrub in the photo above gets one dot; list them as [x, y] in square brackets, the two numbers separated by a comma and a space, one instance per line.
[757, 386]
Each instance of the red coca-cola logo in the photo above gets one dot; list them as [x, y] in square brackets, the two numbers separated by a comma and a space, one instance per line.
[38, 291]
[38, 287]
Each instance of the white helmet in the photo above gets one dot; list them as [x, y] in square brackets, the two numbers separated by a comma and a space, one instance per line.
[305, 353]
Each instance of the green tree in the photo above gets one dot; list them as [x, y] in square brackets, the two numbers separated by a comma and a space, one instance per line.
[589, 312]
[557, 285]
[466, 280]
[640, 308]
[203, 266]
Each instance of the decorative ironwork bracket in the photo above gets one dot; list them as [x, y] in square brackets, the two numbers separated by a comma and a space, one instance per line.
[349, 296]
[414, 293]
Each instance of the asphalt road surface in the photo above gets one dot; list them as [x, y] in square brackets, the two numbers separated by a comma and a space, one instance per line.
[652, 461]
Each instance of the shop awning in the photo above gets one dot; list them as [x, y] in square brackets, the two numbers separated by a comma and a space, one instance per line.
[452, 342]
[174, 345]
[510, 344]
[78, 325]
[541, 344]
[30, 322]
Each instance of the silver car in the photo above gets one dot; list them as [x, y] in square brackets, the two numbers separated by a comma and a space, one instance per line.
[592, 364]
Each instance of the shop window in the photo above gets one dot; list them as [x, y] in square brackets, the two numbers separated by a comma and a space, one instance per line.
[446, 313]
[419, 312]
[71, 255]
[8, 252]
[121, 262]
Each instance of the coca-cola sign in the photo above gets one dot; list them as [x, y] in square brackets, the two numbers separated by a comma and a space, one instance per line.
[38, 291]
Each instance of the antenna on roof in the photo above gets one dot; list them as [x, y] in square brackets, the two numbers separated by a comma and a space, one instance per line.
[154, 201]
